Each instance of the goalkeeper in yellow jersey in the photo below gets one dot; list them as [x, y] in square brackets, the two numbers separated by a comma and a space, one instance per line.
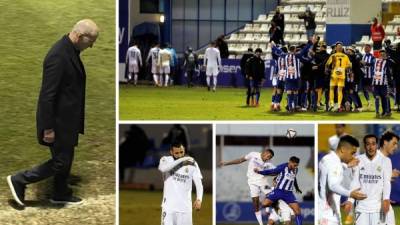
[339, 66]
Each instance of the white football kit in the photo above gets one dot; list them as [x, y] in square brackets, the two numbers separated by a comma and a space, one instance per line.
[153, 55]
[134, 59]
[164, 58]
[258, 183]
[373, 177]
[212, 61]
[330, 172]
[177, 195]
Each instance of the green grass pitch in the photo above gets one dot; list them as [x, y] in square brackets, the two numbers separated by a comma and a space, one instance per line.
[396, 214]
[29, 29]
[180, 102]
[144, 208]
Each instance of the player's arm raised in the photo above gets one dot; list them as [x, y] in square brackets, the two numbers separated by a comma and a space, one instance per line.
[232, 162]
[166, 165]
[274, 171]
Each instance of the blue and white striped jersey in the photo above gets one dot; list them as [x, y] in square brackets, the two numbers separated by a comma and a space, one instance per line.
[281, 68]
[380, 72]
[286, 177]
[271, 64]
[292, 67]
[368, 68]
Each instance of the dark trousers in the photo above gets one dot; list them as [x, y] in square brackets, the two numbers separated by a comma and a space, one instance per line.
[190, 74]
[58, 166]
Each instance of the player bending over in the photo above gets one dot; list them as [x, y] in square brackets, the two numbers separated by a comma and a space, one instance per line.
[286, 180]
[178, 173]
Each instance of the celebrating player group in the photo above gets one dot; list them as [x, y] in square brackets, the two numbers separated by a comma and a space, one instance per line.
[371, 176]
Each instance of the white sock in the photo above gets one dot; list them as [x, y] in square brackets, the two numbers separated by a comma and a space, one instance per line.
[161, 80]
[129, 76]
[135, 78]
[155, 78]
[166, 79]
[208, 81]
[259, 217]
[215, 81]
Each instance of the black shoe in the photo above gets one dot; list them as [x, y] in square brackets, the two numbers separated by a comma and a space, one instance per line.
[208, 88]
[17, 190]
[72, 200]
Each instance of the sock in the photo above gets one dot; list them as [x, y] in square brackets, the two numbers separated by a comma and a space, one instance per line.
[319, 95]
[135, 78]
[331, 95]
[259, 217]
[155, 78]
[166, 79]
[215, 81]
[278, 98]
[366, 95]
[295, 100]
[340, 96]
[161, 80]
[208, 81]
[303, 100]
[257, 96]
[377, 104]
[274, 97]
[299, 219]
[290, 101]
[384, 100]
[129, 76]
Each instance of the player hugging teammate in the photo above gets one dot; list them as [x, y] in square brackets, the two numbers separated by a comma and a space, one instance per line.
[306, 73]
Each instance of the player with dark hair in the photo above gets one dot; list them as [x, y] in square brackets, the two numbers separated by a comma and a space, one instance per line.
[255, 71]
[330, 175]
[246, 56]
[278, 80]
[286, 181]
[368, 61]
[258, 184]
[179, 172]
[380, 84]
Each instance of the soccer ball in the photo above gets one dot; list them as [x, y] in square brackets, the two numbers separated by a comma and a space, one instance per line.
[291, 133]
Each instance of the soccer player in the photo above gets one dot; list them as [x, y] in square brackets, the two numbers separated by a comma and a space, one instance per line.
[372, 175]
[178, 173]
[258, 184]
[340, 64]
[155, 68]
[318, 68]
[292, 70]
[164, 59]
[246, 56]
[212, 62]
[255, 70]
[134, 61]
[368, 61]
[388, 144]
[330, 172]
[279, 77]
[380, 84]
[286, 180]
[190, 64]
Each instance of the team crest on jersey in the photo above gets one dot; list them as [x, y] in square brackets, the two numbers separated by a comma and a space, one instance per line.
[379, 169]
[362, 168]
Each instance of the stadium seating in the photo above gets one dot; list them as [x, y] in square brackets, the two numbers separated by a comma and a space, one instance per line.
[294, 33]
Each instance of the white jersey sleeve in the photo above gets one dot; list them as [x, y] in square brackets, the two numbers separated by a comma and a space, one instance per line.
[387, 176]
[335, 174]
[167, 163]
[198, 183]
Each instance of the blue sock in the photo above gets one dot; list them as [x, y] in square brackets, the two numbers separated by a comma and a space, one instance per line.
[377, 104]
[388, 105]
[366, 95]
[299, 220]
[303, 101]
[290, 101]
[279, 98]
[313, 99]
[295, 100]
[257, 96]
[274, 97]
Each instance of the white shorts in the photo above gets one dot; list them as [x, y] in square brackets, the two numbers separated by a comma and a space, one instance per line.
[258, 190]
[362, 218]
[274, 82]
[285, 211]
[165, 70]
[323, 221]
[176, 218]
[133, 68]
[155, 69]
[212, 71]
